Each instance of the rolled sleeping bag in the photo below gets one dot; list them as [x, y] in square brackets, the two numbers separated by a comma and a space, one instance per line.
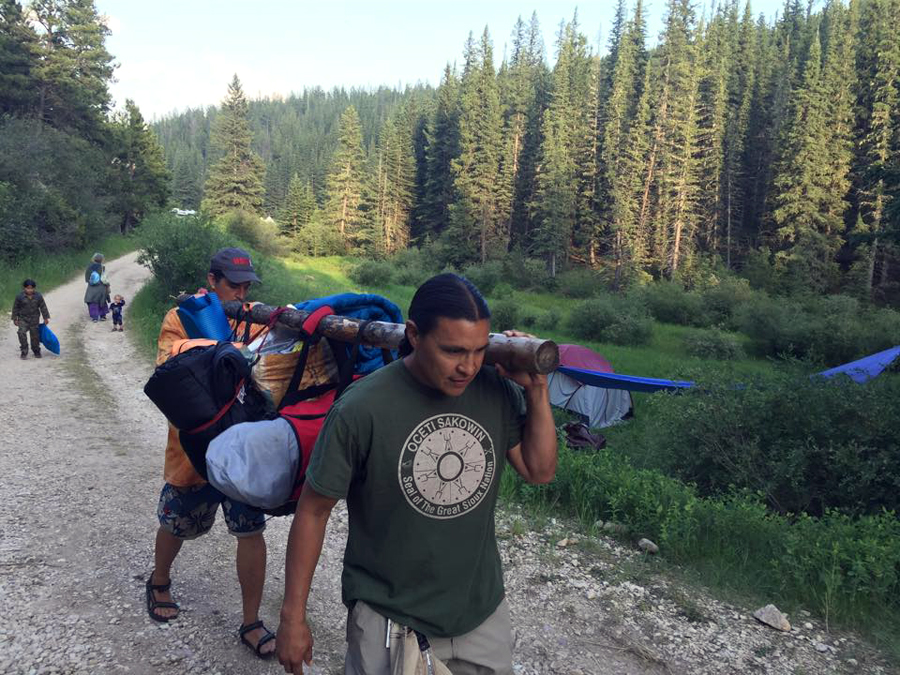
[255, 463]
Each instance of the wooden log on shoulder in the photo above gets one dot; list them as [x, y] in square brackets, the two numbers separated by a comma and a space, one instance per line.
[527, 354]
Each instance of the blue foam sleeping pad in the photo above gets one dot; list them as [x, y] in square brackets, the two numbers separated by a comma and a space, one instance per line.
[203, 317]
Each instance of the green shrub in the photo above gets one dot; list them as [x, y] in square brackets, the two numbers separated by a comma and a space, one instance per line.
[530, 317]
[524, 273]
[721, 300]
[611, 319]
[713, 344]
[373, 273]
[412, 267]
[504, 315]
[485, 276]
[260, 234]
[579, 283]
[550, 319]
[830, 330]
[502, 291]
[178, 250]
[806, 444]
[667, 301]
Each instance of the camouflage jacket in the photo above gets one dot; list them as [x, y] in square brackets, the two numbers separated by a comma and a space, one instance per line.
[29, 309]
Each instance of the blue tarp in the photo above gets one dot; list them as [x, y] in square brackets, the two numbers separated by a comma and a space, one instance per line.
[629, 382]
[865, 369]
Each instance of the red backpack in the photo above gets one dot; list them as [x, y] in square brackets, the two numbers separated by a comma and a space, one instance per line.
[306, 409]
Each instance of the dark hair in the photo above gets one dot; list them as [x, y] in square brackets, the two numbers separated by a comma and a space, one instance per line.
[447, 296]
[217, 275]
[29, 282]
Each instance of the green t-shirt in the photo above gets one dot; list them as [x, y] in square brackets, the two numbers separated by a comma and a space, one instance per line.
[420, 472]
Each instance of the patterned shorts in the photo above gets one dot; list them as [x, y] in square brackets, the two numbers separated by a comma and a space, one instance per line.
[189, 512]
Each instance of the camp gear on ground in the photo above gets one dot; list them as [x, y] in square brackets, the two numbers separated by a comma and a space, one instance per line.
[255, 463]
[202, 391]
[268, 637]
[48, 339]
[235, 264]
[153, 604]
[202, 317]
[864, 369]
[578, 435]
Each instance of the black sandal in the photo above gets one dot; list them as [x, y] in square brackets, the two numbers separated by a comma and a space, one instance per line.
[268, 637]
[153, 604]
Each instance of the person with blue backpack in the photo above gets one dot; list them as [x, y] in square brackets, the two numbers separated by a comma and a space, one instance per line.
[97, 291]
[417, 449]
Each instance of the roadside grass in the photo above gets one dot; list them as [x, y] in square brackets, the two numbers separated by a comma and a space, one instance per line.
[845, 570]
[54, 269]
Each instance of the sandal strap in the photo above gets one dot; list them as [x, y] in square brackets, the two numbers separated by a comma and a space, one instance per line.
[243, 630]
[268, 637]
[167, 605]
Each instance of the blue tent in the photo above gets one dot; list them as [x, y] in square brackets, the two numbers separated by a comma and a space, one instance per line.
[864, 369]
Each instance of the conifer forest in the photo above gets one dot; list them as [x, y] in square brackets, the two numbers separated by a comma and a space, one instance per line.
[736, 140]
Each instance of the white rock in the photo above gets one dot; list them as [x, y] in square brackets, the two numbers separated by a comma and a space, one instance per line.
[648, 546]
[821, 647]
[771, 616]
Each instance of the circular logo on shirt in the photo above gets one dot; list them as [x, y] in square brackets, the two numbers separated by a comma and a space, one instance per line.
[446, 466]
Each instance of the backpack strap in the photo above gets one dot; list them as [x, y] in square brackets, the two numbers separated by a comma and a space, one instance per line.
[307, 332]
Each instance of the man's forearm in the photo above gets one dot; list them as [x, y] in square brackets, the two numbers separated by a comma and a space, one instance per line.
[303, 550]
[539, 450]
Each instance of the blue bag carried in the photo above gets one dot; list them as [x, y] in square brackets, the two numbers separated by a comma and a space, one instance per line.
[203, 317]
[48, 339]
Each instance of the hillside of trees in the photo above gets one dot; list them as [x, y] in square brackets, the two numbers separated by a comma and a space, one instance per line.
[71, 170]
[743, 142]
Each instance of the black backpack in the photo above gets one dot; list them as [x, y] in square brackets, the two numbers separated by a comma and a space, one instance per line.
[202, 392]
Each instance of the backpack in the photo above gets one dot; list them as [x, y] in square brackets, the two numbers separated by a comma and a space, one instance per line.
[202, 390]
[95, 278]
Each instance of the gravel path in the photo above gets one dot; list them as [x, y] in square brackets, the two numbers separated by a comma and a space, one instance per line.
[80, 473]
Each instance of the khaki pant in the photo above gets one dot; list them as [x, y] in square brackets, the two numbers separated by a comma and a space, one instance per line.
[487, 650]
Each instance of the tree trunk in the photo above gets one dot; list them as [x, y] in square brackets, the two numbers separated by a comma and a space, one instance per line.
[523, 354]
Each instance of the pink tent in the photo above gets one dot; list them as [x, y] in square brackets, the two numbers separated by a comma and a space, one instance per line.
[599, 406]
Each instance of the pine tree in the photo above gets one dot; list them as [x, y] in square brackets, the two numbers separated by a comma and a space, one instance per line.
[808, 216]
[394, 178]
[475, 170]
[139, 166]
[299, 206]
[345, 180]
[74, 68]
[186, 190]
[556, 181]
[236, 180]
[18, 58]
[442, 135]
[878, 131]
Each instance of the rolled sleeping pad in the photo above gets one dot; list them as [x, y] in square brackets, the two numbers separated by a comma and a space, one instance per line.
[203, 317]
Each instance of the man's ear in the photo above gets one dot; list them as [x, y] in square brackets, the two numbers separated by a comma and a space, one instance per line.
[211, 280]
[412, 333]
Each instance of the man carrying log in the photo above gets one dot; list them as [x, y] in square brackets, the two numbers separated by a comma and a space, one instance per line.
[187, 504]
[417, 449]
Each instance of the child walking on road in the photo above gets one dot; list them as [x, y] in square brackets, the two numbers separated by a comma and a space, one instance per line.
[116, 309]
[27, 310]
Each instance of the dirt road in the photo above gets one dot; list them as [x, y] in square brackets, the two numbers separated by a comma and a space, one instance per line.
[80, 474]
